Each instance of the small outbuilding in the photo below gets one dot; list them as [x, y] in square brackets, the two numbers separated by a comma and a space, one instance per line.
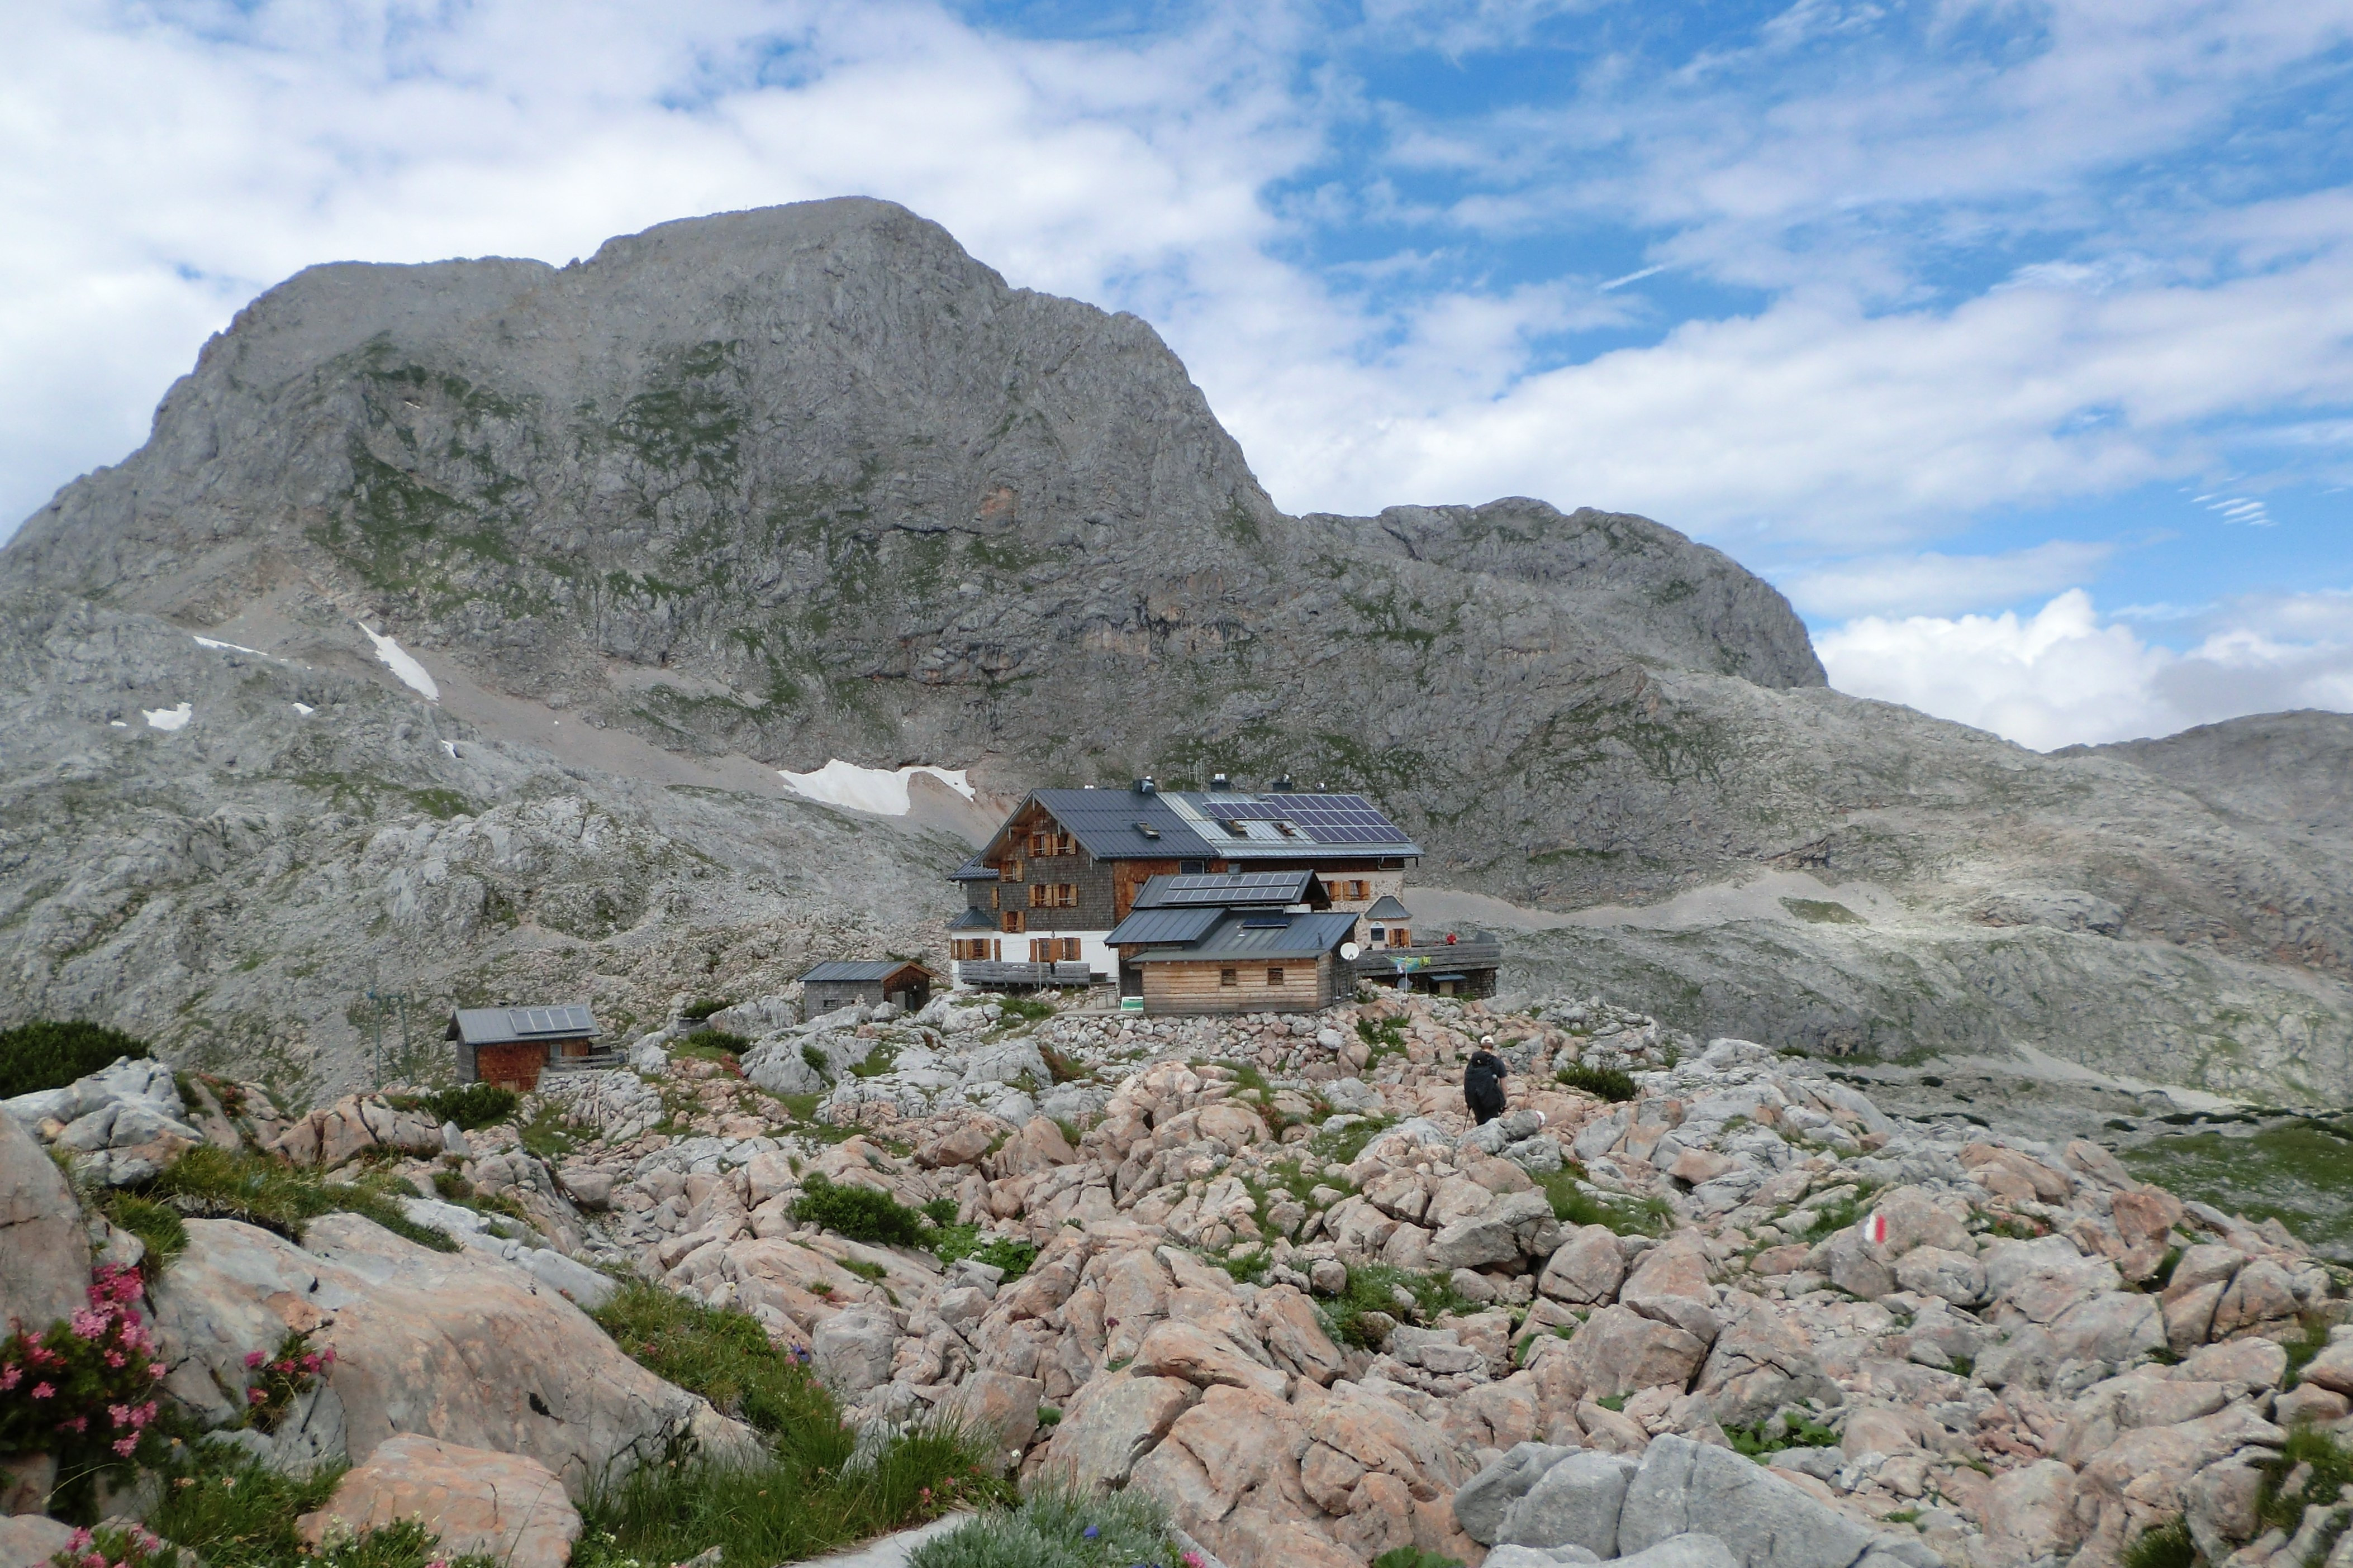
[865, 982]
[1237, 960]
[510, 1046]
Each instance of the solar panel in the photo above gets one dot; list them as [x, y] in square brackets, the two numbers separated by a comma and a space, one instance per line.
[1219, 889]
[1342, 819]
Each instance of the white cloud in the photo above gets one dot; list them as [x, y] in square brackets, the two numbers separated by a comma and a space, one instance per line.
[2061, 677]
[1934, 583]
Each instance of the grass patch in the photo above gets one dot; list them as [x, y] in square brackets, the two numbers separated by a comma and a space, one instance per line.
[1062, 1068]
[2303, 1347]
[1382, 1038]
[213, 1183]
[1413, 1557]
[812, 1494]
[1787, 1431]
[2332, 1470]
[50, 1055]
[879, 1060]
[1341, 1145]
[1615, 1085]
[952, 1244]
[1056, 1526]
[232, 1510]
[698, 1011]
[2166, 1546]
[549, 1134]
[1572, 1203]
[475, 1105]
[2300, 1173]
[1839, 1215]
[160, 1229]
[1823, 912]
[1029, 1008]
[1372, 1288]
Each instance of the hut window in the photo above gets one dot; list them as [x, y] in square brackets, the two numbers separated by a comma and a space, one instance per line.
[1067, 895]
[1070, 950]
[1010, 872]
[1229, 977]
[1013, 920]
[1379, 936]
[1355, 890]
[1274, 976]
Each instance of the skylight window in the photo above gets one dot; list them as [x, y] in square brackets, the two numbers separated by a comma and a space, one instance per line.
[1147, 829]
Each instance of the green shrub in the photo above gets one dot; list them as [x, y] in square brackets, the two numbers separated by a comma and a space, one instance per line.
[697, 1012]
[1413, 1557]
[1613, 1084]
[216, 1183]
[862, 1213]
[475, 1105]
[45, 1054]
[2166, 1546]
[1056, 1526]
[711, 1044]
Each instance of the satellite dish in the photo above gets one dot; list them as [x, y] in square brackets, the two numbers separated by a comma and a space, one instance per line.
[1348, 950]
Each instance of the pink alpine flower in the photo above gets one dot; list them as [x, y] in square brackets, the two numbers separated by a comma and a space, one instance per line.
[255, 1358]
[43, 1390]
[255, 1397]
[123, 1446]
[10, 1376]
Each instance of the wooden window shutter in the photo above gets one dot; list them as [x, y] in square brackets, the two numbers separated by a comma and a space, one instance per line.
[1070, 950]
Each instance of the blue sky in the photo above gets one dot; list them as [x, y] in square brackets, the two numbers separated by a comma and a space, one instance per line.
[2013, 341]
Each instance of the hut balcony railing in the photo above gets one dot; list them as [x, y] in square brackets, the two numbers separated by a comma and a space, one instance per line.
[1468, 952]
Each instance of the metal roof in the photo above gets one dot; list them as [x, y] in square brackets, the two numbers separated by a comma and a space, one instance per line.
[974, 919]
[501, 1025]
[1164, 925]
[835, 971]
[1283, 824]
[1289, 825]
[1303, 937]
[1225, 888]
[1119, 824]
[1387, 908]
[972, 871]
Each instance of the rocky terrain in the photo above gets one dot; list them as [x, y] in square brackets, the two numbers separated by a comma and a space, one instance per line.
[448, 637]
[1266, 1271]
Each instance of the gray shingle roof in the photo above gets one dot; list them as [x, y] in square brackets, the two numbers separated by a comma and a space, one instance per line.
[1119, 824]
[1225, 888]
[836, 971]
[503, 1026]
[1164, 925]
[1236, 937]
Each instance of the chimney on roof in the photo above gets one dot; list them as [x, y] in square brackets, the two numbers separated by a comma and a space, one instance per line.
[1145, 786]
[1282, 786]
[1220, 781]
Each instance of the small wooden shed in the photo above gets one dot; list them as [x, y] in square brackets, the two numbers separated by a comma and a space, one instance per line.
[512, 1045]
[865, 982]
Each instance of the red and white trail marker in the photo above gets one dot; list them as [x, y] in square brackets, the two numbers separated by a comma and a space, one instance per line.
[1874, 1230]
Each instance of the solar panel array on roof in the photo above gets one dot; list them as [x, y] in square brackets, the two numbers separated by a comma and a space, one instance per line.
[551, 1021]
[1301, 936]
[1342, 819]
[1167, 892]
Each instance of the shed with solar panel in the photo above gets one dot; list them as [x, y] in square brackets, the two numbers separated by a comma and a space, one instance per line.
[515, 1046]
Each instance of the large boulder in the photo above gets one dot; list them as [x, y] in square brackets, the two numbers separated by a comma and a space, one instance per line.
[1758, 1364]
[854, 1347]
[1586, 1270]
[1575, 1502]
[42, 1236]
[1619, 1351]
[505, 1506]
[1485, 1500]
[1768, 1521]
[461, 1347]
[1115, 1421]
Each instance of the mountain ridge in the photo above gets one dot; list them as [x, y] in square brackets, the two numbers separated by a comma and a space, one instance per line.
[771, 488]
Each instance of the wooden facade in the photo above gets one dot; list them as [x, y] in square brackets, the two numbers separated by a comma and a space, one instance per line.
[1233, 985]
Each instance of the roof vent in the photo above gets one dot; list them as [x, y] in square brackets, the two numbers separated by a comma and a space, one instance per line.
[1220, 781]
[1145, 786]
[1147, 829]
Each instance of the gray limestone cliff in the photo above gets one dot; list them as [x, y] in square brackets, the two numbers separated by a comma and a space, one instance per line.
[753, 491]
